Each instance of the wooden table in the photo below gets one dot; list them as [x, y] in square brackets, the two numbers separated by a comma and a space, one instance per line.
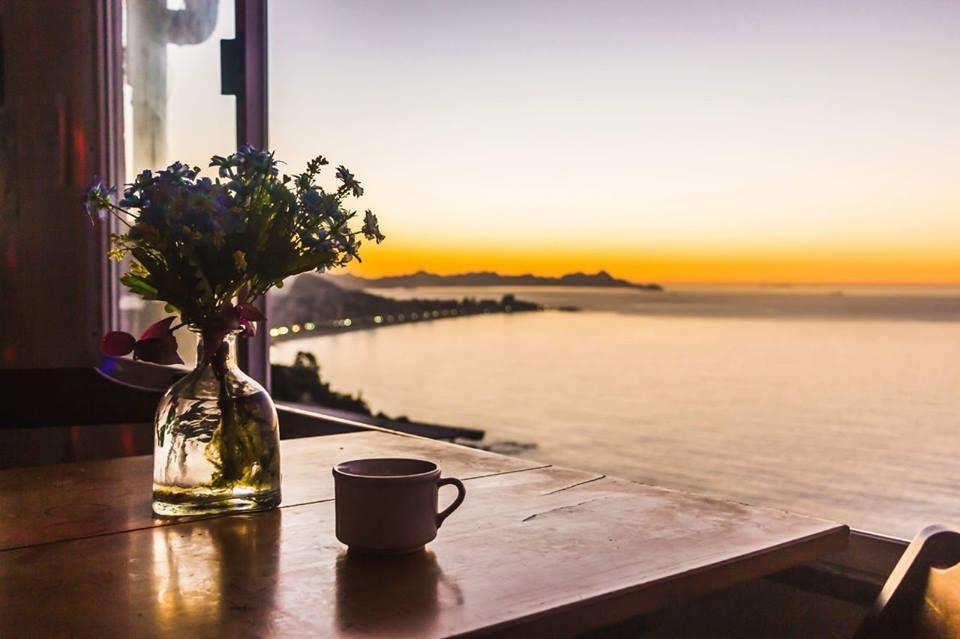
[535, 550]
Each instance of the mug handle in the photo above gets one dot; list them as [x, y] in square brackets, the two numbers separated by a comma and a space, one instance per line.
[461, 493]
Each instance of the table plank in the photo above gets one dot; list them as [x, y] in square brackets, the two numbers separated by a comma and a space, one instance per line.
[543, 552]
[66, 501]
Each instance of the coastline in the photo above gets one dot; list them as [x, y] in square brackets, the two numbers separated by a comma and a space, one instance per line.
[319, 328]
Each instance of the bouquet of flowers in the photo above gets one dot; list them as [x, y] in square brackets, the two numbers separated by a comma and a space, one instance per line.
[209, 248]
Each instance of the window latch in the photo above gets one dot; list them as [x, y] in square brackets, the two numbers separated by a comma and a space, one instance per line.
[232, 67]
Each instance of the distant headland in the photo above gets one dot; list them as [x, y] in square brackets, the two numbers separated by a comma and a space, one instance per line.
[316, 304]
[488, 278]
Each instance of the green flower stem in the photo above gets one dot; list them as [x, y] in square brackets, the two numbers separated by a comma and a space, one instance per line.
[238, 445]
[228, 468]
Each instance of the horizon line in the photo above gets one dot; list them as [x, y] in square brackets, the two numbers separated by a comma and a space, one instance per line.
[663, 281]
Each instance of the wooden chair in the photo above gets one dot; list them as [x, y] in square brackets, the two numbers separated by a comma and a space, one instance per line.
[921, 598]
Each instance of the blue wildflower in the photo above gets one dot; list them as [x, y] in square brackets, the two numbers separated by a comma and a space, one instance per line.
[371, 227]
[350, 183]
[96, 199]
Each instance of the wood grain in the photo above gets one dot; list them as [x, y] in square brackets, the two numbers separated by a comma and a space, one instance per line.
[533, 552]
[67, 501]
[545, 552]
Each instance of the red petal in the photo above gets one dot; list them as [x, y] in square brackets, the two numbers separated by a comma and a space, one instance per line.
[231, 318]
[159, 350]
[158, 329]
[249, 328]
[117, 343]
[250, 312]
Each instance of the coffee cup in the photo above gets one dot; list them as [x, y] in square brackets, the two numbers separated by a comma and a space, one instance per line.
[389, 506]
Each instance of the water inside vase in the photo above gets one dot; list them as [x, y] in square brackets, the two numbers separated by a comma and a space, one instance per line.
[216, 444]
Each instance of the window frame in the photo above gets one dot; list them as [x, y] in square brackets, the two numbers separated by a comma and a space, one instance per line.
[252, 128]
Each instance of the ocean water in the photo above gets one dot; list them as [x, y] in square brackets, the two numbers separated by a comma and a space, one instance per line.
[838, 402]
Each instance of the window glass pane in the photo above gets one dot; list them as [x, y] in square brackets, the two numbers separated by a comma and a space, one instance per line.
[785, 172]
[173, 110]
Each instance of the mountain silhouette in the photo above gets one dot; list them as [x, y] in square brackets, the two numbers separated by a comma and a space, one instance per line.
[488, 278]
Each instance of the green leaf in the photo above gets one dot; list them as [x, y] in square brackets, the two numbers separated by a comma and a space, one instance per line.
[139, 286]
[148, 261]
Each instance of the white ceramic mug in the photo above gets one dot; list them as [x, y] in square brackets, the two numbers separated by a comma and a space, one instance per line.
[390, 505]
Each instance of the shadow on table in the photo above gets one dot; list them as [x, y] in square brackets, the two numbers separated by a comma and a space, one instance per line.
[404, 593]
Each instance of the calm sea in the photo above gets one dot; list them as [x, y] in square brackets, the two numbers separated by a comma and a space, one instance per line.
[840, 402]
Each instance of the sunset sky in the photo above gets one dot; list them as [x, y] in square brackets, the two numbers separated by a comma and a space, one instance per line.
[674, 140]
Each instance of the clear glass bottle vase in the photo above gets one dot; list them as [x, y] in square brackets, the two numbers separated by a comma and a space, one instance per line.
[216, 443]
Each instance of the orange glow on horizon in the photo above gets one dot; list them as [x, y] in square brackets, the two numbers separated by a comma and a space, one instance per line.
[752, 266]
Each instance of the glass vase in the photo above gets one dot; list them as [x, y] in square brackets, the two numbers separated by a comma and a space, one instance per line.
[217, 443]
